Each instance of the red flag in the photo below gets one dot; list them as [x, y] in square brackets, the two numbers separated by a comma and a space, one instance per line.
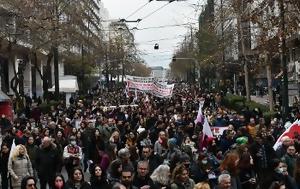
[290, 132]
[206, 135]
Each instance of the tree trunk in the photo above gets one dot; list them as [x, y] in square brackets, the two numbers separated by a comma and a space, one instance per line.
[56, 72]
[14, 83]
[269, 78]
[243, 56]
[46, 77]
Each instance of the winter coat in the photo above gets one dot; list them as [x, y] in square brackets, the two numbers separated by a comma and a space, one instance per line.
[103, 183]
[139, 182]
[83, 185]
[245, 175]
[19, 167]
[189, 185]
[289, 181]
[4, 163]
[32, 151]
[291, 163]
[48, 161]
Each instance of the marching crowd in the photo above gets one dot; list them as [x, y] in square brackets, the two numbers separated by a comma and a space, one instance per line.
[154, 144]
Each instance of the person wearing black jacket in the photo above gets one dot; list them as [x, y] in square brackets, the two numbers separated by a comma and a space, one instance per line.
[47, 162]
[142, 178]
[98, 178]
[279, 174]
[262, 153]
[3, 165]
[153, 160]
[76, 181]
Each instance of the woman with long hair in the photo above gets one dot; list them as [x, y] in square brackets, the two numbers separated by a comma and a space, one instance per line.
[181, 179]
[32, 151]
[76, 181]
[98, 178]
[161, 177]
[3, 165]
[59, 182]
[19, 166]
[202, 185]
[114, 172]
[230, 166]
[98, 140]
[116, 139]
[28, 182]
[247, 173]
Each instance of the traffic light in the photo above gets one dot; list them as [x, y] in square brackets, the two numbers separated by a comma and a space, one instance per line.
[156, 46]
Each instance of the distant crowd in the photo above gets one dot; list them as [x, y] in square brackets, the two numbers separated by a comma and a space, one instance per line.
[123, 142]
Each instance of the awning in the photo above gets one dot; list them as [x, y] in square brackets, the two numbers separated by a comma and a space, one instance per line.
[4, 97]
[67, 84]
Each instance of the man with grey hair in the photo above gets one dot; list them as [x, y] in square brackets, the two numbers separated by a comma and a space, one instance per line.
[142, 179]
[48, 162]
[124, 156]
[119, 186]
[224, 181]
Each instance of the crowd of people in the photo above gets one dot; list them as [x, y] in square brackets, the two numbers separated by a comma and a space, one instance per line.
[153, 144]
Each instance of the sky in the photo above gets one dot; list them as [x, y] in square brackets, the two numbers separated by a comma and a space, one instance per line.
[168, 37]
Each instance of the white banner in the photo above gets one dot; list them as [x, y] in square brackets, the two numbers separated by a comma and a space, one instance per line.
[217, 131]
[149, 84]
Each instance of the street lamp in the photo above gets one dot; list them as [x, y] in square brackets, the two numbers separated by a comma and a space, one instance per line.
[130, 21]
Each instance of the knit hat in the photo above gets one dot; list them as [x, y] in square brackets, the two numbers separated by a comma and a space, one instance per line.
[172, 141]
[242, 140]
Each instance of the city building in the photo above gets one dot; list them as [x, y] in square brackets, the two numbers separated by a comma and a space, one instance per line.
[15, 50]
[159, 72]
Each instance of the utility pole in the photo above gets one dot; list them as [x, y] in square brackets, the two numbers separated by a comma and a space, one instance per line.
[242, 55]
[285, 96]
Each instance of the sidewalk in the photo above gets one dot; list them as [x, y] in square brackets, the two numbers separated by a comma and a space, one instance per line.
[264, 100]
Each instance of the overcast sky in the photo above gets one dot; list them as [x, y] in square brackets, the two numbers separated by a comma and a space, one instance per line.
[168, 38]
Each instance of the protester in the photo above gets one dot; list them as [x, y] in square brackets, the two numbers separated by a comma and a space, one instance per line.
[47, 162]
[32, 150]
[224, 181]
[161, 177]
[19, 166]
[72, 155]
[127, 179]
[28, 182]
[202, 185]
[98, 178]
[139, 145]
[180, 178]
[230, 166]
[114, 173]
[4, 157]
[76, 180]
[142, 179]
[59, 182]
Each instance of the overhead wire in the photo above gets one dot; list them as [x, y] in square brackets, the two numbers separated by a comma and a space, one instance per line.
[150, 14]
[137, 10]
[162, 39]
[155, 27]
[166, 26]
